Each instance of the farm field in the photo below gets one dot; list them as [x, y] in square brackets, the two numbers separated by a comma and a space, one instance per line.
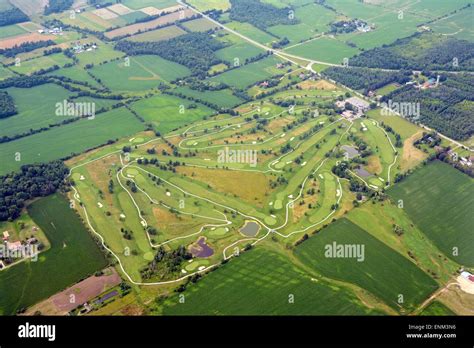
[266, 278]
[142, 73]
[200, 25]
[163, 112]
[139, 4]
[383, 271]
[441, 211]
[11, 30]
[223, 98]
[206, 5]
[73, 255]
[31, 66]
[77, 137]
[249, 74]
[240, 51]
[159, 34]
[325, 50]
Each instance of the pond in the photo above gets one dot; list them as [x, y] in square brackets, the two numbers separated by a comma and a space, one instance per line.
[250, 229]
[201, 249]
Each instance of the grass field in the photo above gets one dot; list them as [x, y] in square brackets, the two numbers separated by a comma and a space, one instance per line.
[144, 72]
[73, 256]
[439, 199]
[163, 112]
[223, 98]
[249, 74]
[383, 271]
[77, 74]
[62, 141]
[325, 50]
[260, 282]
[458, 25]
[252, 32]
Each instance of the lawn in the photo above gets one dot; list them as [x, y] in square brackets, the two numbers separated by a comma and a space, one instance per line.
[382, 271]
[73, 256]
[167, 113]
[325, 50]
[76, 137]
[261, 282]
[439, 200]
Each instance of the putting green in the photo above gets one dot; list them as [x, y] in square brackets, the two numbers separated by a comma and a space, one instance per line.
[218, 232]
[195, 265]
[132, 171]
[148, 256]
[138, 140]
[269, 220]
[278, 204]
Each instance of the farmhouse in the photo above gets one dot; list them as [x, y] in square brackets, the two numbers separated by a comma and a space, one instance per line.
[6, 235]
[14, 246]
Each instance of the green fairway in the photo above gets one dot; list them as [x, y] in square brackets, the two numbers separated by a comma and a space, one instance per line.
[260, 282]
[439, 200]
[382, 271]
[73, 256]
[63, 141]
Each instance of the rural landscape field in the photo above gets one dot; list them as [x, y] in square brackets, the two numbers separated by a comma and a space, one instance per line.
[237, 157]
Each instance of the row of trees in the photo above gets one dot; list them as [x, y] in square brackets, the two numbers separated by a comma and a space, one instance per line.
[12, 16]
[366, 79]
[25, 47]
[57, 6]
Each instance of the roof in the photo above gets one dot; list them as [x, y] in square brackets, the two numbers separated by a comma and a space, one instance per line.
[360, 103]
[14, 245]
[6, 234]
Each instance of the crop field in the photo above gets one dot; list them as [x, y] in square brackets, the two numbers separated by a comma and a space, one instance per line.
[77, 74]
[11, 30]
[17, 40]
[139, 4]
[324, 49]
[76, 137]
[5, 73]
[437, 308]
[206, 5]
[457, 25]
[440, 203]
[73, 255]
[252, 32]
[223, 98]
[200, 24]
[240, 51]
[105, 52]
[30, 66]
[36, 108]
[140, 27]
[266, 278]
[314, 20]
[159, 34]
[142, 73]
[249, 74]
[382, 271]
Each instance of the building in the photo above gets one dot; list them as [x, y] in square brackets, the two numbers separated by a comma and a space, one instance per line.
[359, 105]
[15, 246]
[6, 235]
